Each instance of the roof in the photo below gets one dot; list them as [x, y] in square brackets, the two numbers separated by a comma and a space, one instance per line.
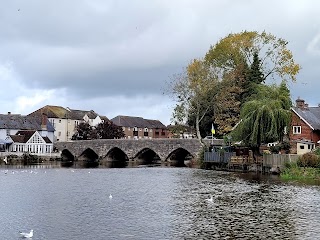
[24, 136]
[52, 112]
[19, 122]
[128, 121]
[63, 113]
[79, 114]
[310, 116]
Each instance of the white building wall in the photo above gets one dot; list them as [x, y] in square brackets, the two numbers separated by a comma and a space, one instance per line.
[61, 129]
[3, 132]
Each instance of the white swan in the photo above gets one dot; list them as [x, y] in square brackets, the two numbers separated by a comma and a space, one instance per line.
[210, 199]
[27, 235]
[110, 196]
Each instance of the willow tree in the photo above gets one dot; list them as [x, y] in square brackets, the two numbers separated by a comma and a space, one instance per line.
[265, 117]
[194, 91]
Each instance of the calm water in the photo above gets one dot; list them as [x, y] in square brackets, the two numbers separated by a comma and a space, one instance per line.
[154, 203]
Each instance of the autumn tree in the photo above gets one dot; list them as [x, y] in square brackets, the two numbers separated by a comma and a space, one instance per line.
[108, 130]
[194, 91]
[247, 59]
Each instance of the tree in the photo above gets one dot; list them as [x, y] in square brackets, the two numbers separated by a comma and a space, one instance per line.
[247, 59]
[83, 132]
[195, 91]
[265, 117]
[108, 130]
[239, 48]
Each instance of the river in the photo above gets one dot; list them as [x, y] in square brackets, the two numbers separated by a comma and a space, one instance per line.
[154, 203]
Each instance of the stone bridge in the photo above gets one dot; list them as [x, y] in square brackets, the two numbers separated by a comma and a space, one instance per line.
[121, 151]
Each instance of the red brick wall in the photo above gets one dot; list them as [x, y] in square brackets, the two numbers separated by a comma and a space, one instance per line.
[306, 132]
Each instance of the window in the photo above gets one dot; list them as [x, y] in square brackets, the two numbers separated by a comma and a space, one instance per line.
[8, 132]
[301, 146]
[59, 120]
[296, 129]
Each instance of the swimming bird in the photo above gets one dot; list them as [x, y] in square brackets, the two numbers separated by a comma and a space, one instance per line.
[5, 160]
[110, 196]
[27, 235]
[210, 199]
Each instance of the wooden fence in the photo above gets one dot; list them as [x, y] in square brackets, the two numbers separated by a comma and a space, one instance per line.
[278, 160]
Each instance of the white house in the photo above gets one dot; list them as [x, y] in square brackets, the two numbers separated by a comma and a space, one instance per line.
[10, 124]
[29, 141]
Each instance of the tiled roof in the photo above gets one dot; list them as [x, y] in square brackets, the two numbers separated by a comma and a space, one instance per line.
[79, 114]
[311, 115]
[22, 136]
[128, 121]
[52, 112]
[15, 121]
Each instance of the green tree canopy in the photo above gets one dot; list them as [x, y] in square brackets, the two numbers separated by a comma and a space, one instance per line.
[108, 130]
[265, 117]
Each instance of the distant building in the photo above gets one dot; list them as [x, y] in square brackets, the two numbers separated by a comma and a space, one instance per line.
[13, 124]
[65, 120]
[138, 127]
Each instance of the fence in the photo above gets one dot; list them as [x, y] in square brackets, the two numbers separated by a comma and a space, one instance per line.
[278, 160]
[217, 157]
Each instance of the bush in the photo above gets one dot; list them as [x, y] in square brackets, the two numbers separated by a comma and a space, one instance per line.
[317, 151]
[309, 160]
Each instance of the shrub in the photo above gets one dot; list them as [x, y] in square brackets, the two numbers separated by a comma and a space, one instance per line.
[309, 160]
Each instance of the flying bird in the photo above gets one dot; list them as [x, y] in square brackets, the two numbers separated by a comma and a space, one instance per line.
[27, 235]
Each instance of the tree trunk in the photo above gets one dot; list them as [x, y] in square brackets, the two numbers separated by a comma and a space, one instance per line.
[198, 129]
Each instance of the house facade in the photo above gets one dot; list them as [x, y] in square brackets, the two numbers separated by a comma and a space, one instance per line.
[139, 128]
[30, 141]
[305, 127]
[65, 120]
[13, 124]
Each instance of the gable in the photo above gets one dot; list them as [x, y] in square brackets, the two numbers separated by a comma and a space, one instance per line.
[306, 117]
[36, 138]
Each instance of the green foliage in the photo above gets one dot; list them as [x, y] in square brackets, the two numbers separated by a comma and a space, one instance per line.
[104, 130]
[309, 160]
[108, 130]
[83, 132]
[201, 156]
[317, 151]
[307, 175]
[264, 118]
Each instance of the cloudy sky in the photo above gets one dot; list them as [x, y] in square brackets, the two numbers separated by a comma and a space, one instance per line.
[116, 57]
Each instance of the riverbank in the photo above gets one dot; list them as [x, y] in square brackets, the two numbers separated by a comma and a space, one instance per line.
[301, 174]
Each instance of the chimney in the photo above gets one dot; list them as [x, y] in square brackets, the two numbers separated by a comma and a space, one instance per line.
[300, 103]
[44, 120]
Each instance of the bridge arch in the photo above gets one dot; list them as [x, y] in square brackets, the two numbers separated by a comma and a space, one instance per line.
[115, 157]
[146, 156]
[88, 158]
[179, 157]
[67, 158]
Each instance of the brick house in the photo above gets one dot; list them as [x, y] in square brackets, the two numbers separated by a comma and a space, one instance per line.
[138, 127]
[305, 127]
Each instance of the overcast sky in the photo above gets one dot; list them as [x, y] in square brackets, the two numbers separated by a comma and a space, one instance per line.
[115, 57]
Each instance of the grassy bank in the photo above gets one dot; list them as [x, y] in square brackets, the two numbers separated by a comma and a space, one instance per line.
[294, 172]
